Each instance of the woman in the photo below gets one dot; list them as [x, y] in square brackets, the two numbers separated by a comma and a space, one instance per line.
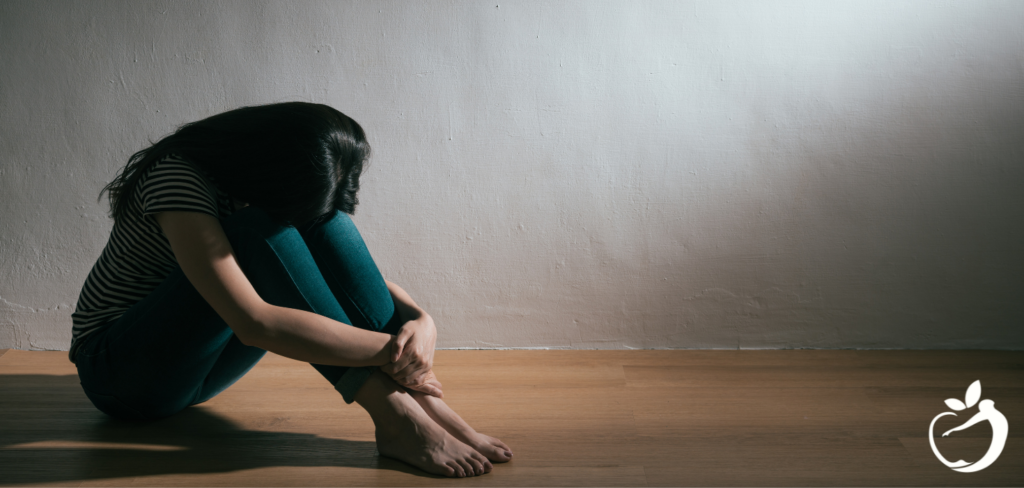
[231, 238]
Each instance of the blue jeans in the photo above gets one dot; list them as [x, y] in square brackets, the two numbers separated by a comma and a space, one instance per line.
[172, 350]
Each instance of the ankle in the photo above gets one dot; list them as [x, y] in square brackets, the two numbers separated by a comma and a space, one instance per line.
[443, 415]
[385, 401]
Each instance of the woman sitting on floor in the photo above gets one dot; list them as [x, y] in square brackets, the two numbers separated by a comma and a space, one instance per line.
[232, 238]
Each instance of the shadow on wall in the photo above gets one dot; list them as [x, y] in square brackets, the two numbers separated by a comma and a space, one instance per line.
[52, 433]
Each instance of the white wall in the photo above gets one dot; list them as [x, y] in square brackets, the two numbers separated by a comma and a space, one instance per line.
[587, 174]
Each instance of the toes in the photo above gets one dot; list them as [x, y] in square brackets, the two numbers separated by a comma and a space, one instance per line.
[498, 454]
[498, 451]
[468, 464]
[503, 450]
[460, 470]
[502, 445]
[456, 469]
[480, 458]
[478, 467]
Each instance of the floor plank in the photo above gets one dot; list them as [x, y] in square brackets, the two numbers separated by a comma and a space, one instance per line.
[574, 418]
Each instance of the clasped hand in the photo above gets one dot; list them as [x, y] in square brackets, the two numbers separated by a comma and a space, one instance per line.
[412, 356]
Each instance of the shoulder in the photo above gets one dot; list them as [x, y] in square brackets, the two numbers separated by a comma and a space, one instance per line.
[173, 167]
[174, 183]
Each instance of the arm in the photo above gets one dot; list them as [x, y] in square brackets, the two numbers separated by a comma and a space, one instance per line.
[412, 354]
[978, 417]
[205, 255]
[404, 305]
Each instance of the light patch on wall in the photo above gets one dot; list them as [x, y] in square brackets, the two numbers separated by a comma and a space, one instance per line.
[592, 174]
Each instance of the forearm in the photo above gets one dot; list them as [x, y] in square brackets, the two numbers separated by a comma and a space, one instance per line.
[404, 305]
[412, 356]
[309, 337]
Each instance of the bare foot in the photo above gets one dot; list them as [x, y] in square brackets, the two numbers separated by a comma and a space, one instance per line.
[437, 409]
[405, 432]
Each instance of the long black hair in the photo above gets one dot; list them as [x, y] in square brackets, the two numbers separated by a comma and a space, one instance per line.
[297, 161]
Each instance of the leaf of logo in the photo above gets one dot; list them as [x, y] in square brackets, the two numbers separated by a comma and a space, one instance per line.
[973, 394]
[986, 413]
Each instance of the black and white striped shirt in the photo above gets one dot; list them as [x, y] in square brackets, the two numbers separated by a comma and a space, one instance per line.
[138, 256]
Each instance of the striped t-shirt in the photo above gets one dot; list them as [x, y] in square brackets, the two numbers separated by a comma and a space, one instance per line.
[138, 256]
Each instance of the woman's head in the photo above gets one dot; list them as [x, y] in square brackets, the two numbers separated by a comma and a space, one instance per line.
[297, 161]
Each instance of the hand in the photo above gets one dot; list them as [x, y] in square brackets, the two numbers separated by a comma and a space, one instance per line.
[431, 386]
[412, 352]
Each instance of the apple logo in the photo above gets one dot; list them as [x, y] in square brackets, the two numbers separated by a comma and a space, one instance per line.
[986, 411]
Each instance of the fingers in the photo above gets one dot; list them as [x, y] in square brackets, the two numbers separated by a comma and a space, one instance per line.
[405, 378]
[428, 390]
[402, 374]
[409, 362]
[409, 368]
[413, 345]
[398, 346]
[400, 369]
[412, 377]
[432, 388]
[434, 383]
[412, 359]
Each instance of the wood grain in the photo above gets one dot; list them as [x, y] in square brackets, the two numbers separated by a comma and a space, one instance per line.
[573, 418]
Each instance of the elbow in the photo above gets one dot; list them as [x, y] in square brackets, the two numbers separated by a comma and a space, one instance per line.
[249, 334]
[250, 330]
[249, 339]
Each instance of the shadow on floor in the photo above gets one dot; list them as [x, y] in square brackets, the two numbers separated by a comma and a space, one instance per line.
[50, 432]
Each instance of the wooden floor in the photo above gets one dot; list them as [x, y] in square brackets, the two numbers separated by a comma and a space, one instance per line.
[573, 418]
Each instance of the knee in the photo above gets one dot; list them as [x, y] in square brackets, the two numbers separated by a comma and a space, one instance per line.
[337, 224]
[252, 231]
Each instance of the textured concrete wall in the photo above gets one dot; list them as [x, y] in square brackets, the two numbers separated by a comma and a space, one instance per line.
[573, 174]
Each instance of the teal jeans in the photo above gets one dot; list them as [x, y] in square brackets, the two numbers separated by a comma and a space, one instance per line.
[172, 350]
